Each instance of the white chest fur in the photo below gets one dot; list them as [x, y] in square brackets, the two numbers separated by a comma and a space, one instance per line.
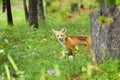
[62, 43]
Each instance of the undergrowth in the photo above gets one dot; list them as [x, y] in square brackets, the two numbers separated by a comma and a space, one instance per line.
[38, 54]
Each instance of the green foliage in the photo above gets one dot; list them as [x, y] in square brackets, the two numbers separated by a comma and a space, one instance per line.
[118, 2]
[0, 2]
[110, 2]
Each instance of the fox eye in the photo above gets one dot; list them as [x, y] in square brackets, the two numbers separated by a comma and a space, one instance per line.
[57, 35]
[61, 35]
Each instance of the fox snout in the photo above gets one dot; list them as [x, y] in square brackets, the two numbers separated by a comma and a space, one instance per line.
[60, 39]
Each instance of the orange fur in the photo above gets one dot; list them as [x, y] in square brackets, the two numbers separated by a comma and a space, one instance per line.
[71, 41]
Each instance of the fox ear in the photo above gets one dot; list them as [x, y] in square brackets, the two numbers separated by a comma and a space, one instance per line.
[63, 30]
[54, 31]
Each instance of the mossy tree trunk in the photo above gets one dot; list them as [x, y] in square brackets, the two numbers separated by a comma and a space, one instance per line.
[41, 15]
[33, 17]
[105, 38]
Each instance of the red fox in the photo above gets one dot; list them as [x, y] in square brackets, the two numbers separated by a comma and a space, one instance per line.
[71, 41]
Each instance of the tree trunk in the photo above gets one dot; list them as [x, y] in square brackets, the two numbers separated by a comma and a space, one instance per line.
[33, 18]
[74, 7]
[9, 13]
[25, 10]
[41, 15]
[47, 5]
[105, 38]
[3, 5]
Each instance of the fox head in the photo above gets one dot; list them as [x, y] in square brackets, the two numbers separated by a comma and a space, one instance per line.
[60, 35]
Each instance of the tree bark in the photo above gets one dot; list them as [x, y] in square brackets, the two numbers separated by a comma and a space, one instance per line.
[74, 7]
[47, 5]
[3, 5]
[33, 17]
[9, 13]
[105, 38]
[25, 10]
[41, 15]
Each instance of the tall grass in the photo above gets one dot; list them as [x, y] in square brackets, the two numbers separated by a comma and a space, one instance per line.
[40, 56]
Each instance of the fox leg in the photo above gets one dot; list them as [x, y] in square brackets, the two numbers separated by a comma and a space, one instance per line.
[89, 50]
[70, 51]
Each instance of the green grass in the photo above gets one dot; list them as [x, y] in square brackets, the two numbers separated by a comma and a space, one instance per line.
[35, 51]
